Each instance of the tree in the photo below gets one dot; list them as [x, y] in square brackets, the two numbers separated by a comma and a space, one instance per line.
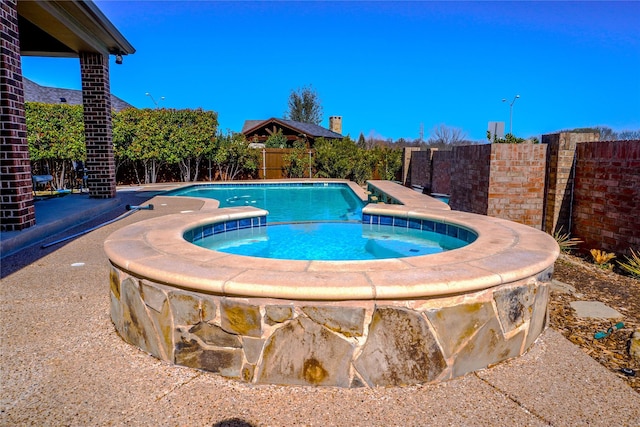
[55, 137]
[508, 139]
[298, 162]
[304, 106]
[442, 136]
[335, 158]
[388, 162]
[191, 136]
[629, 135]
[233, 157]
[276, 140]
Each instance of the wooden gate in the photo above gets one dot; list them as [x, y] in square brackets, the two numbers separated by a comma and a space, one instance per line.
[272, 162]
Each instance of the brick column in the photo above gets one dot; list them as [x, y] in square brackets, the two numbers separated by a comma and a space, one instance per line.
[96, 96]
[560, 176]
[15, 168]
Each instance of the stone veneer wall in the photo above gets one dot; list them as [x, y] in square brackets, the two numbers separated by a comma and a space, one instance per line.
[96, 95]
[561, 154]
[441, 172]
[607, 195]
[15, 168]
[340, 343]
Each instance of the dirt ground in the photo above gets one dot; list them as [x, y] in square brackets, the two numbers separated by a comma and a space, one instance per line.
[619, 292]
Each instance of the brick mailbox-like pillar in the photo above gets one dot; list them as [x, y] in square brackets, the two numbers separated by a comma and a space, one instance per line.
[15, 168]
[96, 96]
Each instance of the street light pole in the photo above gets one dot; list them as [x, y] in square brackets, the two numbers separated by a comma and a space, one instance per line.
[511, 113]
[153, 99]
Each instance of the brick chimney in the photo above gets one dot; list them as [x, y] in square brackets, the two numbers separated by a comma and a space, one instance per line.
[335, 124]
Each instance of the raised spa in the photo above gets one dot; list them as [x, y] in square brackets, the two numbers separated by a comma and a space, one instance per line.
[368, 323]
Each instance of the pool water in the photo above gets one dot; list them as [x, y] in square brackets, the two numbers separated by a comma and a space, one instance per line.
[286, 202]
[333, 241]
[311, 221]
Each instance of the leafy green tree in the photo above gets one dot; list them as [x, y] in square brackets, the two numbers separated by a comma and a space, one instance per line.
[335, 158]
[191, 135]
[55, 137]
[276, 140]
[508, 139]
[124, 131]
[232, 156]
[151, 145]
[304, 106]
[299, 162]
[388, 162]
[362, 142]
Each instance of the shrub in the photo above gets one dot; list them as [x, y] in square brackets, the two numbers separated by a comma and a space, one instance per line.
[632, 265]
[602, 258]
[565, 241]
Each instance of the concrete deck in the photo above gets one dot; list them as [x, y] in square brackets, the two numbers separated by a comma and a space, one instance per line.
[64, 365]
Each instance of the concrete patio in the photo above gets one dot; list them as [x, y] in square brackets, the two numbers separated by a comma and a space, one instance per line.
[63, 364]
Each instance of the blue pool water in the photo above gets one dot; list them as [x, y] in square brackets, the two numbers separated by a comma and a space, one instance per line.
[286, 202]
[330, 241]
[313, 222]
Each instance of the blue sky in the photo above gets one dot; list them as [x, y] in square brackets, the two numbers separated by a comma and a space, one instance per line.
[388, 68]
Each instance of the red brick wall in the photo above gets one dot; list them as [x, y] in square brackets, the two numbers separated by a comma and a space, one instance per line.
[96, 96]
[15, 168]
[502, 180]
[560, 177]
[606, 209]
[470, 171]
[441, 177]
[420, 169]
[516, 185]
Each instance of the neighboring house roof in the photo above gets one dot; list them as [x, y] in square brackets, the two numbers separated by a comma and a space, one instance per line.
[308, 129]
[33, 92]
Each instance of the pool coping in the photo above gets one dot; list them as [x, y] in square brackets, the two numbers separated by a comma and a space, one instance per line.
[155, 249]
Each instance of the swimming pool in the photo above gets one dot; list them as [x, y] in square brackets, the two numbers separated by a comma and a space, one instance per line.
[371, 323]
[313, 221]
[286, 202]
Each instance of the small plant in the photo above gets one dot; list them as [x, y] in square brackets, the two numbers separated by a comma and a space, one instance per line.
[565, 241]
[602, 258]
[632, 265]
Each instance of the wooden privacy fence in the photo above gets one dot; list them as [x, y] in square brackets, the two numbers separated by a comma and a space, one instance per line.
[272, 162]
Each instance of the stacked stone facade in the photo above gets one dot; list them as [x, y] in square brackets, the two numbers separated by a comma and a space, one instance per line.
[15, 168]
[96, 95]
[337, 343]
[607, 195]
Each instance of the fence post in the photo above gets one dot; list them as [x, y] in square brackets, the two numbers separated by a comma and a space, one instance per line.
[264, 164]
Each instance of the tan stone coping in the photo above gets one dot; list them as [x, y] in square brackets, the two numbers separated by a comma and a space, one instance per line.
[407, 196]
[504, 252]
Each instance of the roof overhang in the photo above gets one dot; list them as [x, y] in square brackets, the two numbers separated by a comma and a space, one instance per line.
[66, 28]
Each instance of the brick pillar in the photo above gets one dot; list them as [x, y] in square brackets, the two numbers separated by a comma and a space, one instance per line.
[15, 168]
[560, 176]
[96, 97]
